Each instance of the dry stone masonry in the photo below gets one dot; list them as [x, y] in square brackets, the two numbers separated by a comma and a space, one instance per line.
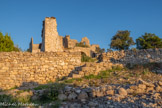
[18, 68]
[25, 69]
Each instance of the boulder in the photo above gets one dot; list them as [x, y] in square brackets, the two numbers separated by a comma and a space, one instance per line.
[92, 104]
[160, 83]
[72, 96]
[142, 86]
[140, 81]
[62, 97]
[122, 92]
[110, 92]
[82, 95]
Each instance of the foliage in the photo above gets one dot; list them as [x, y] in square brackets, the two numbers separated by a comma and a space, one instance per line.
[81, 44]
[6, 43]
[122, 40]
[51, 93]
[16, 48]
[7, 99]
[72, 80]
[134, 49]
[99, 50]
[109, 50]
[149, 40]
[40, 87]
[28, 50]
[14, 101]
[86, 58]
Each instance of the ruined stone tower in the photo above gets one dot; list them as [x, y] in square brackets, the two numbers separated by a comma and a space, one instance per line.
[51, 41]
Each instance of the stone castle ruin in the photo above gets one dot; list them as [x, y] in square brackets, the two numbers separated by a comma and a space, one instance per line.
[53, 42]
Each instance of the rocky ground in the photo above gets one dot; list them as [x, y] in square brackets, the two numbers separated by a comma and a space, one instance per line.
[142, 94]
[115, 88]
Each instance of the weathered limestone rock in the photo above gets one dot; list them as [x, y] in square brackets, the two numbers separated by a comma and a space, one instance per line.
[72, 96]
[142, 86]
[158, 89]
[82, 95]
[160, 83]
[110, 92]
[145, 83]
[122, 91]
[62, 97]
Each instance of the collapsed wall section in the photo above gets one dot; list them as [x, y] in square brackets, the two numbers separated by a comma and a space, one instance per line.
[18, 68]
[133, 56]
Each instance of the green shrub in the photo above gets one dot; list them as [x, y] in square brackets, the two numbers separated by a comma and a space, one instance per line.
[6, 43]
[7, 99]
[81, 44]
[85, 58]
[51, 93]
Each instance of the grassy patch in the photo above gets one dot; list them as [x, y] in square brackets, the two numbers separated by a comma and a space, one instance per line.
[117, 68]
[72, 80]
[40, 87]
[101, 75]
[145, 71]
[15, 87]
[91, 76]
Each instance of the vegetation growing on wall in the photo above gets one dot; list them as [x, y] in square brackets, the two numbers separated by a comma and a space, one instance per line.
[81, 44]
[86, 58]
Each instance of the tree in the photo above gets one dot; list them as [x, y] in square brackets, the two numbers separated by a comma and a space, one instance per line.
[149, 40]
[121, 41]
[6, 43]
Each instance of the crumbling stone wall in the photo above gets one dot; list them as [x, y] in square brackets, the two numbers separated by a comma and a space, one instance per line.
[133, 56]
[18, 68]
[85, 40]
[69, 43]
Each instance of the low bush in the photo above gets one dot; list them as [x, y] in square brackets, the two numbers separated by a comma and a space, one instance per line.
[81, 44]
[7, 99]
[51, 92]
[87, 59]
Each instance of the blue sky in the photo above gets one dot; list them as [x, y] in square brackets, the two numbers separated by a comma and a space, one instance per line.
[99, 20]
